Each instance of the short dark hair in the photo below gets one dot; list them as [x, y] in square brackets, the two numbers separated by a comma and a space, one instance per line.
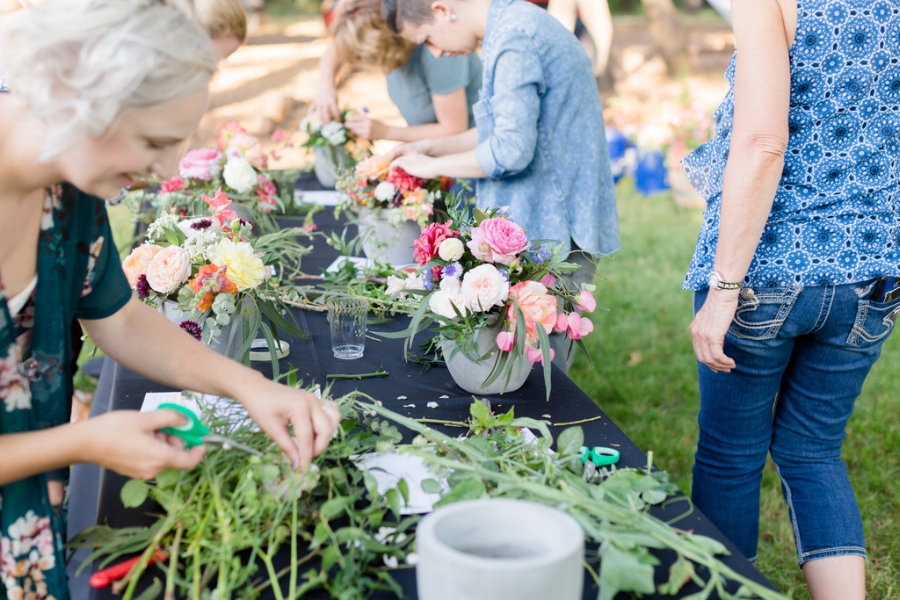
[398, 12]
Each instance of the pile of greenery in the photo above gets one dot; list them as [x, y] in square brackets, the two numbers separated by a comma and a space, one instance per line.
[223, 523]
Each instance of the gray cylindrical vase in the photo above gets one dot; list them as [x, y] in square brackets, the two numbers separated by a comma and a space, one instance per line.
[498, 549]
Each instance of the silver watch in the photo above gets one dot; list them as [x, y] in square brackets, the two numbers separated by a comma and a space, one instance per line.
[717, 283]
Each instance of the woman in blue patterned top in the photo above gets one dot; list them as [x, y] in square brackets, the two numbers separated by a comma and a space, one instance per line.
[539, 144]
[105, 91]
[799, 238]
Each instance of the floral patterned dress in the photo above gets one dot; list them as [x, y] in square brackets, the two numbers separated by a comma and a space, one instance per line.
[79, 276]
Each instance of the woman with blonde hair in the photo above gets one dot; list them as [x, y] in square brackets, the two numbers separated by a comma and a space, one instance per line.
[223, 20]
[105, 91]
[434, 95]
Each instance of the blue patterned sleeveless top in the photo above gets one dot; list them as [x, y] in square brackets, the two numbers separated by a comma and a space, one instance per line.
[836, 214]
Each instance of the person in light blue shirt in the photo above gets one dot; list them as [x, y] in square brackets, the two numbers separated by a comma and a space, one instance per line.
[539, 145]
[434, 95]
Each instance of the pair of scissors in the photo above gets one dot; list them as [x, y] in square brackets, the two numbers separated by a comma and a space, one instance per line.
[195, 433]
[601, 456]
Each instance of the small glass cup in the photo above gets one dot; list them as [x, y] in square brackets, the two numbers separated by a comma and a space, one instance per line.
[347, 321]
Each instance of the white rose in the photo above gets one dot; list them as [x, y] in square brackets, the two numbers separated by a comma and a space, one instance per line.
[484, 287]
[385, 191]
[239, 175]
[442, 302]
[451, 249]
[334, 133]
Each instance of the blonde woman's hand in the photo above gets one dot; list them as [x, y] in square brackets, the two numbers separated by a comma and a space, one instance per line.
[130, 443]
[365, 128]
[325, 104]
[709, 327]
[312, 421]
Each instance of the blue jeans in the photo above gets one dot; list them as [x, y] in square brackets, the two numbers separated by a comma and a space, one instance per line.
[802, 356]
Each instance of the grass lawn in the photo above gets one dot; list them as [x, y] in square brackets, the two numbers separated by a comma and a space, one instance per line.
[644, 378]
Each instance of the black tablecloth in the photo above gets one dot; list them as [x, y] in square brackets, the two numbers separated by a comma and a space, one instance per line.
[94, 492]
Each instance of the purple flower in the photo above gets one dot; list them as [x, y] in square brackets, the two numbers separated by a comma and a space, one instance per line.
[427, 282]
[142, 287]
[192, 328]
[453, 270]
[542, 254]
[504, 273]
[201, 224]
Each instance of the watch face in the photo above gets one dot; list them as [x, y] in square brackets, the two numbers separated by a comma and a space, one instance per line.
[713, 280]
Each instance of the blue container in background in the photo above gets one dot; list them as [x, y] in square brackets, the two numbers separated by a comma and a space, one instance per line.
[618, 146]
[651, 175]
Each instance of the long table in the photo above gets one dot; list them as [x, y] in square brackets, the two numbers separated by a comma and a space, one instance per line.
[94, 492]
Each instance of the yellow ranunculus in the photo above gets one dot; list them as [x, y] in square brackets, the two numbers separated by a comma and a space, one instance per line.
[245, 268]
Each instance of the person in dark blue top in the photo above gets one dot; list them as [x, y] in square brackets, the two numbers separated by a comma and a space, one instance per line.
[104, 92]
[434, 95]
[794, 269]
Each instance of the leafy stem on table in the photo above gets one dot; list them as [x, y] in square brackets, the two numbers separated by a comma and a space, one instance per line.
[225, 522]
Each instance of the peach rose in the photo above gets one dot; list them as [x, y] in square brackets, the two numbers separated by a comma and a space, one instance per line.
[168, 269]
[135, 264]
[376, 166]
[536, 304]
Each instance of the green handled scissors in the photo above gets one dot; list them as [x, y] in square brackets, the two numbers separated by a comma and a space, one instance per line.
[195, 433]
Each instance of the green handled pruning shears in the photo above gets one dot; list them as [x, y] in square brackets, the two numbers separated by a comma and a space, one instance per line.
[195, 433]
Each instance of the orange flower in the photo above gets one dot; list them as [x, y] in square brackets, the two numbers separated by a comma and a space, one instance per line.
[376, 166]
[211, 280]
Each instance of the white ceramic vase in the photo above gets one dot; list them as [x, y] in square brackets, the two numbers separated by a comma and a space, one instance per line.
[385, 241]
[470, 375]
[499, 549]
[327, 165]
[169, 309]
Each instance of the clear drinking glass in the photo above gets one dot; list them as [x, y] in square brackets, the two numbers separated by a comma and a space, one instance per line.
[347, 319]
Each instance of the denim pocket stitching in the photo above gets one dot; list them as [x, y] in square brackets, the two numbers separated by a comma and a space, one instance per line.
[860, 334]
[764, 330]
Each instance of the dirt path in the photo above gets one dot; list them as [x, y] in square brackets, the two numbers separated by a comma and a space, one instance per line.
[268, 83]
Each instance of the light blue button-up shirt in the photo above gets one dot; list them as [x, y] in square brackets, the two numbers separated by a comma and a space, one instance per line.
[541, 138]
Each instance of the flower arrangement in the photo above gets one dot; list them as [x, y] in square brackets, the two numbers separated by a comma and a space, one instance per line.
[372, 183]
[483, 273]
[672, 125]
[213, 266]
[332, 137]
[237, 166]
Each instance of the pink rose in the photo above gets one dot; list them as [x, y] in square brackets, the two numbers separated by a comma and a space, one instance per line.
[497, 240]
[586, 301]
[135, 264]
[483, 288]
[506, 340]
[548, 280]
[172, 185]
[536, 305]
[168, 269]
[200, 163]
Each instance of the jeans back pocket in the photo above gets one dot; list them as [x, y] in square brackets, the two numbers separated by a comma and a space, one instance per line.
[762, 311]
[874, 321]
